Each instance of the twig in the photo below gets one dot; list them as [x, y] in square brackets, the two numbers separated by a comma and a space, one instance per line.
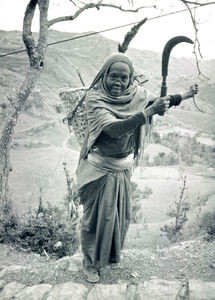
[198, 3]
[194, 101]
[46, 254]
[97, 5]
[196, 42]
[80, 77]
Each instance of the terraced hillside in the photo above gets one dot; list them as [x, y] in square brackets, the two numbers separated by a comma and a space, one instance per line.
[42, 143]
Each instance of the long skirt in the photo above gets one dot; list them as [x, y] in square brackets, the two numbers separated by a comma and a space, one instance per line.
[105, 196]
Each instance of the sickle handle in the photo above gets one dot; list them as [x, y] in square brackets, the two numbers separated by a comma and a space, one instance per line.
[165, 58]
[163, 87]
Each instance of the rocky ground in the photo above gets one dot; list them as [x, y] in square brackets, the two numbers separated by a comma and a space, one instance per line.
[187, 268]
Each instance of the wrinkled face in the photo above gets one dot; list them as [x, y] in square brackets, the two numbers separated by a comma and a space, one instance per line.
[118, 78]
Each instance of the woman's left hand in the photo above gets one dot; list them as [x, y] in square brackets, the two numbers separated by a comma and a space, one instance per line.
[193, 90]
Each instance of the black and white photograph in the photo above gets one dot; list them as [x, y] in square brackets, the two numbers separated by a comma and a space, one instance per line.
[107, 149]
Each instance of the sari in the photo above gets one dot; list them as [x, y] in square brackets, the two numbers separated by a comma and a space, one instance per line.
[104, 182]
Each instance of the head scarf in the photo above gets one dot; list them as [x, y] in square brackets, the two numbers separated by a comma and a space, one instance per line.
[99, 81]
[103, 108]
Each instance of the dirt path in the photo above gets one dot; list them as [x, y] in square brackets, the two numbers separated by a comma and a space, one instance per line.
[187, 260]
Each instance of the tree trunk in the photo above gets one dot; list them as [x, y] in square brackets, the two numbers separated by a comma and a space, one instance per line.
[7, 135]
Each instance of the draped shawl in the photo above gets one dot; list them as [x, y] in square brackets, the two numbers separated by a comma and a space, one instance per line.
[103, 108]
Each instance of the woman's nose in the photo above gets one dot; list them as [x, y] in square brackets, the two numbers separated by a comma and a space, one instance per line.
[118, 81]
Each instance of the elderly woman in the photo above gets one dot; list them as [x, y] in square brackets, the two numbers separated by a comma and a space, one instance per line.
[117, 112]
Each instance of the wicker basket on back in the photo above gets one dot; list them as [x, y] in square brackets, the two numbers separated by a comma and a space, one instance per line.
[73, 106]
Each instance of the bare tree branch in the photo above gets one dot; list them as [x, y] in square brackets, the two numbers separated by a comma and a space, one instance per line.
[79, 1]
[42, 41]
[36, 52]
[79, 75]
[73, 2]
[130, 35]
[198, 3]
[93, 5]
[27, 34]
[196, 42]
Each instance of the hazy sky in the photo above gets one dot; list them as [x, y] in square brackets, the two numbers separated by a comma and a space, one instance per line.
[153, 35]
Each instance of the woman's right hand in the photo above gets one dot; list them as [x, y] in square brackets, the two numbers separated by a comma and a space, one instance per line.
[161, 105]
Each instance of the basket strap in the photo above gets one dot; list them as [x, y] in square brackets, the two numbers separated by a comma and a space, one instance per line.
[72, 114]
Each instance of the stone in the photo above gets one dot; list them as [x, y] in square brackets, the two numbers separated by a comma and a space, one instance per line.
[2, 284]
[158, 289]
[72, 264]
[36, 292]
[11, 270]
[200, 290]
[68, 291]
[61, 265]
[75, 265]
[108, 291]
[10, 290]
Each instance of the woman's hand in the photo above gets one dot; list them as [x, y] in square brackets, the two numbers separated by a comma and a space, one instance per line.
[193, 90]
[161, 105]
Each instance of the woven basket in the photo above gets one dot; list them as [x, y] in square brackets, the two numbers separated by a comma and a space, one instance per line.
[73, 106]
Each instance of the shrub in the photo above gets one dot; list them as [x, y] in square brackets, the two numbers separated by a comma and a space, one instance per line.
[207, 225]
[49, 229]
[3, 105]
[156, 137]
[163, 159]
[178, 213]
[189, 149]
[8, 224]
[46, 231]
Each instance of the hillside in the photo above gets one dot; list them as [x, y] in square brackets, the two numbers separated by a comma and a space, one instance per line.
[183, 144]
[42, 143]
[64, 59]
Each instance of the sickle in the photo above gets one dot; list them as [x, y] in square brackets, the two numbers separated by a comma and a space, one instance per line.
[165, 58]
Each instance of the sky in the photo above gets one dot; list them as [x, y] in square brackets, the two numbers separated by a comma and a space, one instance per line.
[152, 36]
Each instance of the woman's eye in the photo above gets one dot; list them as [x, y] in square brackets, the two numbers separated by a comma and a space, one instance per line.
[124, 78]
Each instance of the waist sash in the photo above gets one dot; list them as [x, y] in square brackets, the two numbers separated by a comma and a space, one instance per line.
[111, 163]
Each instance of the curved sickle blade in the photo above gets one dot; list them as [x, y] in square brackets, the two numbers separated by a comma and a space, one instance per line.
[165, 58]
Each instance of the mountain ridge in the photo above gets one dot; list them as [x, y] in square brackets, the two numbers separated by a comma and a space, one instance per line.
[63, 60]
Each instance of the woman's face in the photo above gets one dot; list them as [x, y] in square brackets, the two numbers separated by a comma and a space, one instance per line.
[118, 78]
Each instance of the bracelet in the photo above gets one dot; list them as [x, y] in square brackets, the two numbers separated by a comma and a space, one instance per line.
[175, 99]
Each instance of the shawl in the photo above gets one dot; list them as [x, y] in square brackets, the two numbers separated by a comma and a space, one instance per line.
[103, 108]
